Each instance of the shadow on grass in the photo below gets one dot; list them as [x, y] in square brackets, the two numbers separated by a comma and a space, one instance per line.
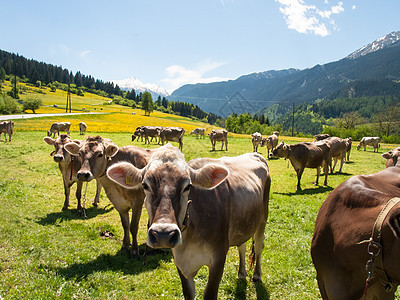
[72, 214]
[241, 287]
[312, 191]
[120, 262]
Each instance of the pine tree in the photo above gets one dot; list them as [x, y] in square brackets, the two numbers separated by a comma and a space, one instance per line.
[147, 103]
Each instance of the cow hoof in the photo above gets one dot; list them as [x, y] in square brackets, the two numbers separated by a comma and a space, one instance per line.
[64, 208]
[134, 253]
[256, 278]
[95, 204]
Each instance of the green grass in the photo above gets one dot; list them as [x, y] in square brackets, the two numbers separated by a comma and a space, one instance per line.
[49, 254]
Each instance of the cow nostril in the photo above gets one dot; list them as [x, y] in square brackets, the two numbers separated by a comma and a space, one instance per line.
[153, 236]
[174, 237]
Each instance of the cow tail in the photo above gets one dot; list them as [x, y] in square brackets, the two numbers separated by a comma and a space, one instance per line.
[252, 256]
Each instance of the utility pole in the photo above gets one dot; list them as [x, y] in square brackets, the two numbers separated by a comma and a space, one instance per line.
[293, 120]
[68, 100]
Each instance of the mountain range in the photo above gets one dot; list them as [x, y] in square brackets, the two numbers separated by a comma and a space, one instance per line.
[134, 83]
[362, 73]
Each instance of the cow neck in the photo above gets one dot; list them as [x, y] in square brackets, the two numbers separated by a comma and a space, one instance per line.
[375, 264]
[107, 166]
[185, 221]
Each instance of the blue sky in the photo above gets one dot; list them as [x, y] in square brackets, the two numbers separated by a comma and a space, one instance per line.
[171, 43]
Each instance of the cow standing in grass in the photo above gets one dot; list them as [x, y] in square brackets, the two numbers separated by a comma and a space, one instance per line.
[369, 141]
[219, 135]
[7, 127]
[256, 139]
[57, 127]
[201, 208]
[69, 166]
[82, 128]
[198, 132]
[97, 155]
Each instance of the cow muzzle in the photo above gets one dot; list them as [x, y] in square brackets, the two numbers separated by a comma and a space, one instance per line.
[164, 236]
[58, 158]
[84, 176]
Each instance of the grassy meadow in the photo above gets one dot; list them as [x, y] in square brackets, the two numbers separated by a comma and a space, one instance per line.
[46, 253]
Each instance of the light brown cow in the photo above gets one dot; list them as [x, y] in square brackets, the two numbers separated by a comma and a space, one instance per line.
[392, 157]
[172, 134]
[219, 135]
[349, 142]
[138, 133]
[256, 139]
[198, 132]
[97, 155]
[57, 127]
[201, 208]
[82, 128]
[69, 166]
[270, 142]
[370, 141]
[342, 244]
[338, 150]
[305, 155]
[7, 127]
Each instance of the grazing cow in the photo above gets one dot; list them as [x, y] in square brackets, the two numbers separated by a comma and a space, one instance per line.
[201, 208]
[138, 133]
[8, 128]
[198, 131]
[349, 142]
[370, 141]
[151, 131]
[172, 134]
[271, 142]
[321, 136]
[338, 150]
[305, 155]
[256, 139]
[82, 128]
[219, 135]
[69, 166]
[392, 157]
[57, 127]
[359, 221]
[97, 155]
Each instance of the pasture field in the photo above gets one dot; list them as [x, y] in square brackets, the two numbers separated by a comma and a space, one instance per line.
[49, 254]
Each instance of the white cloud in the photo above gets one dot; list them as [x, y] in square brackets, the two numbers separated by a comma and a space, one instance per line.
[178, 75]
[353, 7]
[308, 18]
[84, 53]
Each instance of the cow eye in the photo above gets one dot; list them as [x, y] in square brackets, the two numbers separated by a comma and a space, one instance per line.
[100, 155]
[187, 188]
[145, 186]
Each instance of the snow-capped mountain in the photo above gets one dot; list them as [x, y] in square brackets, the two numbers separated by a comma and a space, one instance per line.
[383, 42]
[134, 83]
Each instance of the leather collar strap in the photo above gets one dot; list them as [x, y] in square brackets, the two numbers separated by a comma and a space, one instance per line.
[375, 241]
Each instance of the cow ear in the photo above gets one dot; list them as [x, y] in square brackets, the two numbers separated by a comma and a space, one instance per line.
[49, 140]
[111, 150]
[209, 176]
[125, 174]
[77, 142]
[394, 222]
[387, 155]
[72, 148]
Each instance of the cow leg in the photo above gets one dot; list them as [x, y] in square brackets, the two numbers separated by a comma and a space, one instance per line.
[334, 164]
[226, 145]
[98, 191]
[126, 242]
[258, 249]
[78, 195]
[222, 145]
[67, 190]
[214, 277]
[136, 212]
[299, 173]
[343, 158]
[326, 169]
[188, 287]
[242, 274]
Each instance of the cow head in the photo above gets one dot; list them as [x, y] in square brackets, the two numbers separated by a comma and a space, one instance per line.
[392, 157]
[166, 180]
[94, 155]
[282, 150]
[60, 154]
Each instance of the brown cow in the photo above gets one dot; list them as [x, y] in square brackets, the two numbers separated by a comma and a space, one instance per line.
[201, 208]
[321, 136]
[256, 139]
[69, 166]
[97, 155]
[138, 133]
[392, 157]
[82, 128]
[8, 128]
[370, 141]
[219, 135]
[198, 132]
[57, 127]
[305, 155]
[342, 244]
[349, 142]
[271, 142]
[172, 134]
[338, 150]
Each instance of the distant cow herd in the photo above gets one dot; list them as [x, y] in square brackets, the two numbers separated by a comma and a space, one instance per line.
[355, 245]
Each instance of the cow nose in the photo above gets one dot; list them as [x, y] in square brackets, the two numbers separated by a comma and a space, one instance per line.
[58, 158]
[164, 236]
[84, 176]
